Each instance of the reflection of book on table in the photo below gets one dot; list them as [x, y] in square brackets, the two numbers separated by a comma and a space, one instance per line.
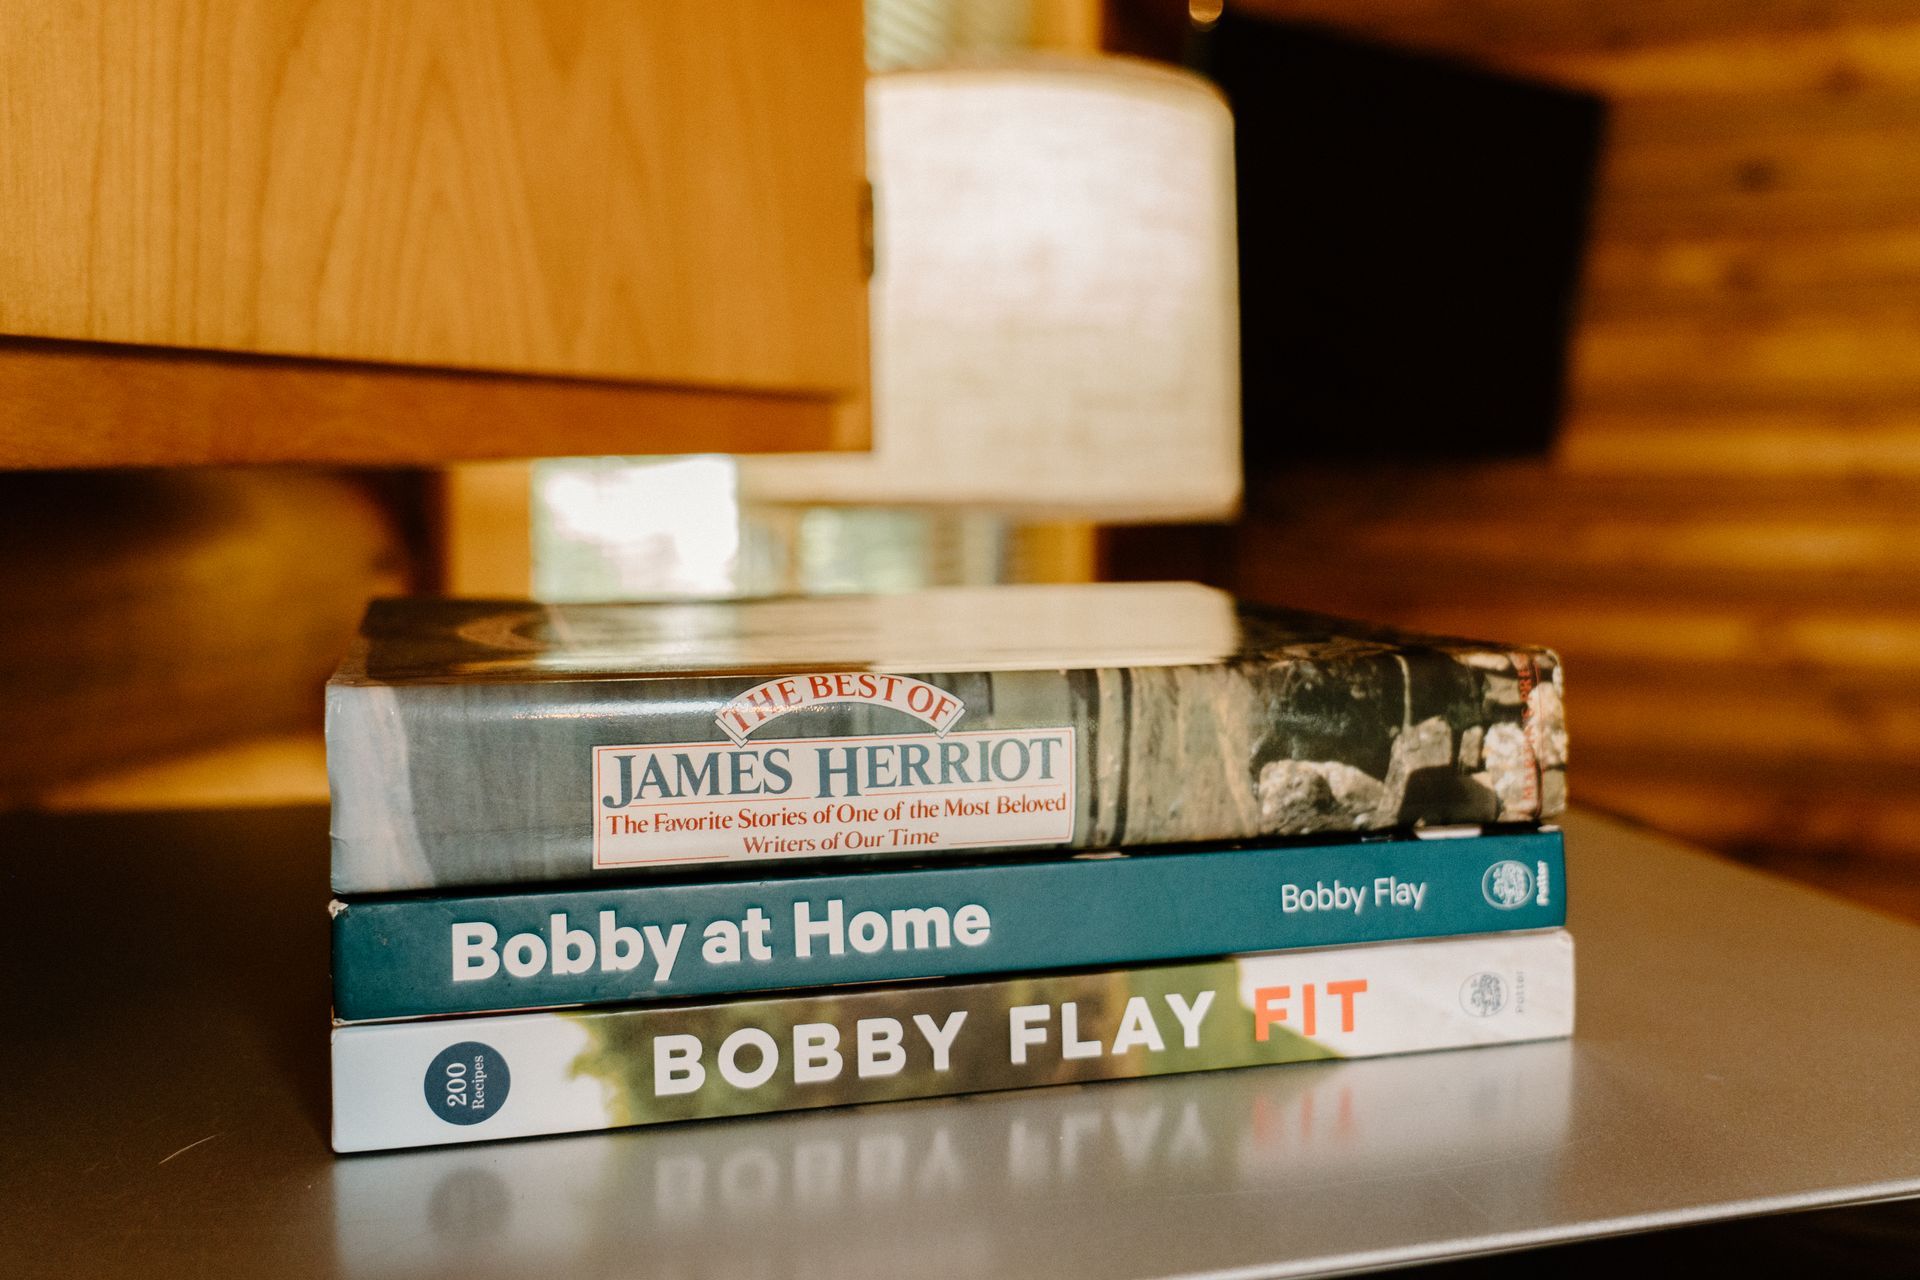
[995, 1169]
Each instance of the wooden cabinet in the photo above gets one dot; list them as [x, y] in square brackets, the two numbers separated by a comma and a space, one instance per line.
[249, 230]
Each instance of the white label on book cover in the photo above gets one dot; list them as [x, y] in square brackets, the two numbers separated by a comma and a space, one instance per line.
[830, 797]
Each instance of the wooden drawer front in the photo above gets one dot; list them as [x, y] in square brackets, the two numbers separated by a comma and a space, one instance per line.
[652, 190]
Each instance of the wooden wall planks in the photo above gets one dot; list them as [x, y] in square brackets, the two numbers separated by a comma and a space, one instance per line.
[1748, 680]
[1510, 30]
[667, 192]
[1725, 544]
[160, 611]
[1873, 446]
[1837, 57]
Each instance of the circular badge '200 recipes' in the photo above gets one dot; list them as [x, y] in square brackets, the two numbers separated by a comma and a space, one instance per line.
[467, 1082]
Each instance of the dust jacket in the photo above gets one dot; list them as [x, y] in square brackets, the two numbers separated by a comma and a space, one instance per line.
[505, 742]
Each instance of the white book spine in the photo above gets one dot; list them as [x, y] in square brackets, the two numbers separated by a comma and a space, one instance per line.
[510, 1076]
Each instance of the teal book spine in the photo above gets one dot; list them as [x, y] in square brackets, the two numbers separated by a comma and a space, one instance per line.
[422, 956]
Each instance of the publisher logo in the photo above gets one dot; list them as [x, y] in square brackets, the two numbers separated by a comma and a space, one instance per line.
[467, 1082]
[1483, 995]
[1507, 885]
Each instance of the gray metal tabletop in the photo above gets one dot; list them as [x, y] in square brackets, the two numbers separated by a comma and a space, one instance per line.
[1744, 1047]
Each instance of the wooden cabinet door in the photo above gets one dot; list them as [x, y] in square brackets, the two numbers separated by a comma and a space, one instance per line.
[659, 192]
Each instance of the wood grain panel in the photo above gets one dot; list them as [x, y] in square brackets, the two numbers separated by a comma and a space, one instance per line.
[1754, 276]
[1876, 445]
[1710, 721]
[1875, 160]
[1865, 357]
[1544, 489]
[169, 611]
[1838, 60]
[1728, 619]
[282, 769]
[483, 522]
[1879, 541]
[1757, 118]
[664, 192]
[1725, 542]
[1809, 168]
[1757, 212]
[1512, 27]
[82, 405]
[1792, 813]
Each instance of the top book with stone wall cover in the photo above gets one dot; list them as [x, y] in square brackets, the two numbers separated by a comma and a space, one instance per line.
[486, 742]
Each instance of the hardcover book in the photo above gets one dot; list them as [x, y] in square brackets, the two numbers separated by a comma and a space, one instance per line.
[504, 742]
[408, 1084]
[415, 956]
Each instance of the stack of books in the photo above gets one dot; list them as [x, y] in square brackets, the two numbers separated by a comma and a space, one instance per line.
[620, 864]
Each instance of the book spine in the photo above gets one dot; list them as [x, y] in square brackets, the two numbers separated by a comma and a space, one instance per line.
[478, 783]
[474, 954]
[515, 1075]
